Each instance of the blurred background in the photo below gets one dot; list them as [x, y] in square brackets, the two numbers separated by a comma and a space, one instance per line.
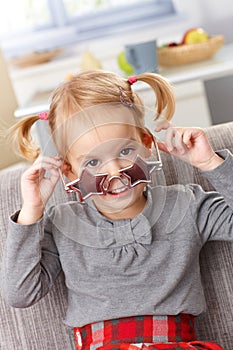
[43, 42]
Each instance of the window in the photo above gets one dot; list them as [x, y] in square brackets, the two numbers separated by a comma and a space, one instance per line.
[46, 24]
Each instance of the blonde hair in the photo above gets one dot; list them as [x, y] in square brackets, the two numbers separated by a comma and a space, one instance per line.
[87, 89]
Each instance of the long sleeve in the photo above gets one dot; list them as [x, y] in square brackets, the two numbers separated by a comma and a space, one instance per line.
[161, 245]
[213, 211]
[30, 263]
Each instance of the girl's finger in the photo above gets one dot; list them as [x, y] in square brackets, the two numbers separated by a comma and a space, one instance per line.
[187, 137]
[55, 174]
[178, 142]
[38, 170]
[162, 124]
[162, 147]
[169, 139]
[56, 161]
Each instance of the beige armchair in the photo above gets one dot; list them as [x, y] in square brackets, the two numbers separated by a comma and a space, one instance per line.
[40, 326]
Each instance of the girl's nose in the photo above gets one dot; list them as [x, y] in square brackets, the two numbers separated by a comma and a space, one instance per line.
[114, 178]
[112, 167]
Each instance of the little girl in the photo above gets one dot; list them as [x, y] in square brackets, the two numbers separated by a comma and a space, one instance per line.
[131, 283]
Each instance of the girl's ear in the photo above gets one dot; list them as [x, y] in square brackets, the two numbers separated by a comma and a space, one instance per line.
[67, 171]
[147, 139]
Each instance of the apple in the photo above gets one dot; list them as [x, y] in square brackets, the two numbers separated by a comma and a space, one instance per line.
[124, 64]
[195, 35]
[173, 44]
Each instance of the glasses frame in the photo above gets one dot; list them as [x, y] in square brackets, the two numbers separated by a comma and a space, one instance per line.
[99, 179]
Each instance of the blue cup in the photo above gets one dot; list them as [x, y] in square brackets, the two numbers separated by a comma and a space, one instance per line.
[142, 56]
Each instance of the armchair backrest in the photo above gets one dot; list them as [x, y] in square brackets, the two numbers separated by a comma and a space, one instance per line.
[41, 327]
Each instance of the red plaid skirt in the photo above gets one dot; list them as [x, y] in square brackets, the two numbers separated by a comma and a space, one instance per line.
[142, 332]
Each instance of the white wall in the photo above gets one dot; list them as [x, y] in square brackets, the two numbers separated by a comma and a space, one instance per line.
[217, 17]
[7, 106]
[210, 14]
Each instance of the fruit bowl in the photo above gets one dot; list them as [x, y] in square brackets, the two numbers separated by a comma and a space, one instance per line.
[34, 58]
[185, 54]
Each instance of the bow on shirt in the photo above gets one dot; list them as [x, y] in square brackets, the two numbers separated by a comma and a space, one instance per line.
[106, 233]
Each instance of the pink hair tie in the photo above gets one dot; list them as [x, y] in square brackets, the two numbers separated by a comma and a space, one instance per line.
[132, 80]
[43, 115]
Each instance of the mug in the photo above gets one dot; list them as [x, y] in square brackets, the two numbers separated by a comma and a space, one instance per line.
[142, 56]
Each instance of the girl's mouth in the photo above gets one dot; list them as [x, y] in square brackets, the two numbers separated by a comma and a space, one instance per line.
[118, 191]
[117, 186]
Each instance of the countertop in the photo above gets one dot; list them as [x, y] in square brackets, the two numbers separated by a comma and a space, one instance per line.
[219, 66]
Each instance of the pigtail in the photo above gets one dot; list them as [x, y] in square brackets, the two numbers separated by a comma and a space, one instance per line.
[20, 135]
[165, 99]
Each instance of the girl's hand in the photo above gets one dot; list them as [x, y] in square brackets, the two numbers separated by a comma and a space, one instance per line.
[190, 145]
[37, 188]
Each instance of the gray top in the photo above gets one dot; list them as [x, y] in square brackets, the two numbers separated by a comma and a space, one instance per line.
[116, 268]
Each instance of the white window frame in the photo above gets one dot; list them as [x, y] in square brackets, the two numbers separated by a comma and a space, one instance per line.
[67, 31]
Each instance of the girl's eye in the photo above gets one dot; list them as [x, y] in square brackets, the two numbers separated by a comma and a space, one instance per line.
[92, 163]
[126, 151]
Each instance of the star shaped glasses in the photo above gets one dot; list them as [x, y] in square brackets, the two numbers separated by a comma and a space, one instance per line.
[140, 171]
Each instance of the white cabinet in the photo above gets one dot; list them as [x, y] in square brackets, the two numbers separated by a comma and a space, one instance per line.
[191, 108]
[191, 104]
